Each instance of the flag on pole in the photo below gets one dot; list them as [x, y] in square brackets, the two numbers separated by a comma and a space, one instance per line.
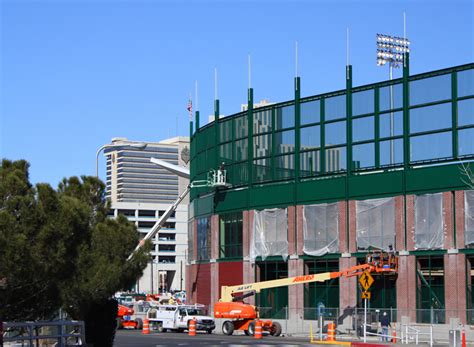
[190, 108]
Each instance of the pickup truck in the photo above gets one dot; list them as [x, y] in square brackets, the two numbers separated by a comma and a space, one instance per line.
[177, 317]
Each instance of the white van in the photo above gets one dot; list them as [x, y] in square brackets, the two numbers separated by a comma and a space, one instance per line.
[177, 317]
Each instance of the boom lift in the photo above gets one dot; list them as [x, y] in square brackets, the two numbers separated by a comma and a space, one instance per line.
[243, 315]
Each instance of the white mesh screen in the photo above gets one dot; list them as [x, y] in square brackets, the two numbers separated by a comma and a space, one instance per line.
[375, 223]
[320, 229]
[270, 234]
[429, 221]
[469, 217]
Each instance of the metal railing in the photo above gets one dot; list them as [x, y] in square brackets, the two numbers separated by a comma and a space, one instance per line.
[410, 334]
[48, 333]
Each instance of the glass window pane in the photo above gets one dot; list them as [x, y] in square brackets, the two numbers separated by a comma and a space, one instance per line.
[335, 107]
[309, 163]
[262, 121]
[466, 141]
[363, 155]
[335, 159]
[262, 145]
[335, 133]
[285, 117]
[310, 137]
[285, 166]
[363, 129]
[310, 112]
[466, 83]
[391, 152]
[385, 120]
[465, 112]
[238, 174]
[285, 141]
[363, 102]
[241, 150]
[430, 89]
[262, 170]
[240, 127]
[433, 146]
[430, 118]
[225, 130]
[391, 97]
[225, 153]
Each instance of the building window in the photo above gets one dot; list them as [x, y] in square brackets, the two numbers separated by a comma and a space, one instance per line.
[146, 213]
[230, 235]
[146, 225]
[430, 290]
[127, 213]
[190, 253]
[469, 218]
[321, 298]
[204, 238]
[429, 224]
[320, 229]
[273, 302]
[269, 234]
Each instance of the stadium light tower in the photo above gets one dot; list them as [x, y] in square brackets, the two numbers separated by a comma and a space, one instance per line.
[392, 50]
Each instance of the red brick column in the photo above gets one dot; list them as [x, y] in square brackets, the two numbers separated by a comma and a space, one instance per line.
[399, 224]
[342, 206]
[410, 216]
[215, 290]
[460, 210]
[299, 230]
[448, 220]
[291, 221]
[214, 236]
[191, 284]
[352, 227]
[249, 277]
[245, 233]
[406, 287]
[295, 292]
[347, 286]
[455, 286]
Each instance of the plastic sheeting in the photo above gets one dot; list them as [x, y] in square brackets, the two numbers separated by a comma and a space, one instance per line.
[270, 234]
[429, 226]
[469, 217]
[375, 226]
[320, 229]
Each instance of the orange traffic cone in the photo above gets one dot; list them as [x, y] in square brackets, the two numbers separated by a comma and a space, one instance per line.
[146, 327]
[192, 327]
[258, 330]
[394, 333]
[463, 337]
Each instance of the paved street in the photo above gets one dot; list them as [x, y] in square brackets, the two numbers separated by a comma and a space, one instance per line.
[129, 338]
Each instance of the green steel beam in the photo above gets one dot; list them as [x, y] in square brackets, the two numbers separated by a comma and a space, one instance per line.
[217, 134]
[297, 128]
[250, 136]
[197, 121]
[454, 103]
[377, 127]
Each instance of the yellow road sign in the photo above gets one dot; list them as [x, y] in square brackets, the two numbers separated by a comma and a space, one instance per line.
[366, 280]
[366, 295]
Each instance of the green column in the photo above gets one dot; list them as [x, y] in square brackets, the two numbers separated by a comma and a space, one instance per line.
[377, 127]
[197, 121]
[297, 128]
[250, 136]
[349, 117]
[216, 134]
[322, 153]
[406, 136]
[191, 126]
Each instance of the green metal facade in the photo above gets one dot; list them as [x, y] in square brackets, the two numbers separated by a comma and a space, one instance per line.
[339, 145]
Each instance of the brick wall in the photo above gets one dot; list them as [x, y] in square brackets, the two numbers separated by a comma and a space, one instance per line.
[296, 292]
[347, 286]
[406, 287]
[455, 286]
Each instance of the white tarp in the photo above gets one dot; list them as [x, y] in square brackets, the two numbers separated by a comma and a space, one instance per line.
[429, 226]
[375, 223]
[469, 217]
[320, 229]
[270, 234]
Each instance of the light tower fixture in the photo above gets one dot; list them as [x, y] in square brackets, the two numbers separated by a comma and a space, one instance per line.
[391, 49]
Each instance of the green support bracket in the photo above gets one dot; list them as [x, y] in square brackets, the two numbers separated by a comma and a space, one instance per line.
[250, 136]
[297, 128]
[454, 103]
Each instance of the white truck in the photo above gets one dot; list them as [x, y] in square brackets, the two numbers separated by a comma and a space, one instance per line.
[177, 317]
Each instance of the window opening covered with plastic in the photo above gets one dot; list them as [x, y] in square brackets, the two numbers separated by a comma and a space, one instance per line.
[269, 234]
[204, 238]
[469, 218]
[429, 225]
[375, 223]
[320, 229]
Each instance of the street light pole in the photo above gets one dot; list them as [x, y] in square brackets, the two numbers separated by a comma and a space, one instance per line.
[136, 145]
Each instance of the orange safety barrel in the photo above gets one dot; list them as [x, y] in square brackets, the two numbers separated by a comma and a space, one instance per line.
[146, 327]
[331, 332]
[258, 329]
[192, 327]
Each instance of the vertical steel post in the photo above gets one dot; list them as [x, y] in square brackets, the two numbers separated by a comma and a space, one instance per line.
[197, 121]
[297, 128]
[365, 320]
[250, 136]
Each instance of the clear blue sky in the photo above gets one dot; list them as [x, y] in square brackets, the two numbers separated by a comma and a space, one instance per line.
[75, 73]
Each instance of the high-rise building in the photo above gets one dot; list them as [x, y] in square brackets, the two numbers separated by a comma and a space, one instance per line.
[142, 191]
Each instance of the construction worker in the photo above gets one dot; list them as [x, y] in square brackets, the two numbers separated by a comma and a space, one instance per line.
[385, 323]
